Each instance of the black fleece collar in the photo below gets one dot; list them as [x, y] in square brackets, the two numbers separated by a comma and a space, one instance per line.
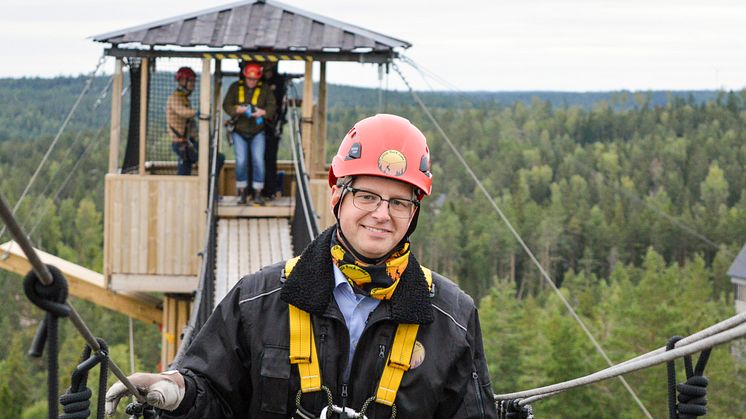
[309, 287]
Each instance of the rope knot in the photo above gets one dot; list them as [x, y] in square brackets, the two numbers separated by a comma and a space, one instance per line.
[693, 397]
[51, 298]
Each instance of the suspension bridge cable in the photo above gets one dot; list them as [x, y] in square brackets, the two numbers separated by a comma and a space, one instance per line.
[42, 272]
[628, 367]
[87, 87]
[525, 247]
[714, 330]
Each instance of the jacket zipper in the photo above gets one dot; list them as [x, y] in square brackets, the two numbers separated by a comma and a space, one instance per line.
[475, 376]
[344, 395]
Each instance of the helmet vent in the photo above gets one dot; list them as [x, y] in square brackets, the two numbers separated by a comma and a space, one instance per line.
[355, 151]
[425, 165]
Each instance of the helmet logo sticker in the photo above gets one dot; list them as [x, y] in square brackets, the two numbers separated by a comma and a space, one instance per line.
[392, 163]
[418, 355]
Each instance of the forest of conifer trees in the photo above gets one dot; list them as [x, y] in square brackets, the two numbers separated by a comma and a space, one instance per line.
[635, 204]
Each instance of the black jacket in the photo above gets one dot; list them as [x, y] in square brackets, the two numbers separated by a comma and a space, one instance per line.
[238, 366]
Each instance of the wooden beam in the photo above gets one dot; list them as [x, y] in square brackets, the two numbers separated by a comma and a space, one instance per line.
[319, 145]
[88, 285]
[307, 116]
[116, 115]
[154, 283]
[144, 72]
[358, 57]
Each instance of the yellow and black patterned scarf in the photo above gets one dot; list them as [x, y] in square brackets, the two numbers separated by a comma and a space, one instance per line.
[378, 281]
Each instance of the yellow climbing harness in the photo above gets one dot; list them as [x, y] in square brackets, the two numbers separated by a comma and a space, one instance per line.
[303, 349]
[254, 97]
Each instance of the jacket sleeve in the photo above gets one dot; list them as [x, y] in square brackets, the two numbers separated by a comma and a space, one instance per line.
[176, 105]
[230, 101]
[216, 367]
[478, 401]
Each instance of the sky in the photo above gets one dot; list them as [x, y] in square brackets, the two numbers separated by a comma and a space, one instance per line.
[494, 45]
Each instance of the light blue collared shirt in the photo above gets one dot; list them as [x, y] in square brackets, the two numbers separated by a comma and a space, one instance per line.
[355, 308]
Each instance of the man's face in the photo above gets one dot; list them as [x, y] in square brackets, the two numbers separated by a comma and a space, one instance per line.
[188, 84]
[251, 83]
[373, 233]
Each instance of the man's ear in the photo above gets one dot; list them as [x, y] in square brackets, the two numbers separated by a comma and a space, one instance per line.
[336, 194]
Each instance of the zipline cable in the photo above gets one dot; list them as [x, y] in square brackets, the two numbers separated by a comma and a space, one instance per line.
[676, 222]
[525, 247]
[87, 87]
[69, 176]
[42, 272]
[41, 211]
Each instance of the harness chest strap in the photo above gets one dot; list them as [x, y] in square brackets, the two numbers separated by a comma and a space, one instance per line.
[303, 349]
[254, 97]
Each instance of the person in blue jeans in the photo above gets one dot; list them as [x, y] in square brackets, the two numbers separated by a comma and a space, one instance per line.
[249, 104]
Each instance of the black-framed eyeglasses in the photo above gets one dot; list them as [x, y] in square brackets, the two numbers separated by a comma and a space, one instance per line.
[370, 201]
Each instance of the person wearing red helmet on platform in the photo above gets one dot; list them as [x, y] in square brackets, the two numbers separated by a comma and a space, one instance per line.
[180, 117]
[354, 324]
[250, 105]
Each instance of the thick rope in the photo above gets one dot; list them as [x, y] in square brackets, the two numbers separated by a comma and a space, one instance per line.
[52, 299]
[76, 401]
[518, 237]
[671, 376]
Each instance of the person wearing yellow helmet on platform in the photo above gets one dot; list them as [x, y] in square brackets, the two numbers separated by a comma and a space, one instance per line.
[354, 324]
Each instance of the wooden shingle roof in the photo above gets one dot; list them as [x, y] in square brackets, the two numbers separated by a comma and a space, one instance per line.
[256, 25]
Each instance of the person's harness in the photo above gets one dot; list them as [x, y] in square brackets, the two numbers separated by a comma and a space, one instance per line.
[303, 352]
[254, 97]
[230, 124]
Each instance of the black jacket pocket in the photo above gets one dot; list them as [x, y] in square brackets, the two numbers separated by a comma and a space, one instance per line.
[274, 376]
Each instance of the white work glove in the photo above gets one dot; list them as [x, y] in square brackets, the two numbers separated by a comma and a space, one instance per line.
[164, 391]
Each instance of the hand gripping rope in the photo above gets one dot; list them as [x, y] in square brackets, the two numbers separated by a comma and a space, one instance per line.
[512, 409]
[693, 392]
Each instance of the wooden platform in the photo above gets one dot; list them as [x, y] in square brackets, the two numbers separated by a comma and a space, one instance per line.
[244, 245]
[228, 207]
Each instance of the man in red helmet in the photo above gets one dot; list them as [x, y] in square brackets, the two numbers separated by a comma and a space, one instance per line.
[355, 325]
[180, 119]
[249, 104]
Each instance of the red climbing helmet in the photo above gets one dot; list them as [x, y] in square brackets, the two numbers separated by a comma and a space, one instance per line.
[387, 146]
[185, 73]
[252, 71]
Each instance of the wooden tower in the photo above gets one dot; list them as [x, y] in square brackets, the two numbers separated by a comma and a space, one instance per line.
[154, 222]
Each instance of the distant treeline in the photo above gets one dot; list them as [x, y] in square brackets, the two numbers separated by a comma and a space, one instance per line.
[613, 191]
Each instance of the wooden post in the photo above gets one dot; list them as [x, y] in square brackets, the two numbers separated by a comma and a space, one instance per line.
[320, 143]
[116, 115]
[204, 134]
[307, 116]
[144, 81]
[217, 100]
